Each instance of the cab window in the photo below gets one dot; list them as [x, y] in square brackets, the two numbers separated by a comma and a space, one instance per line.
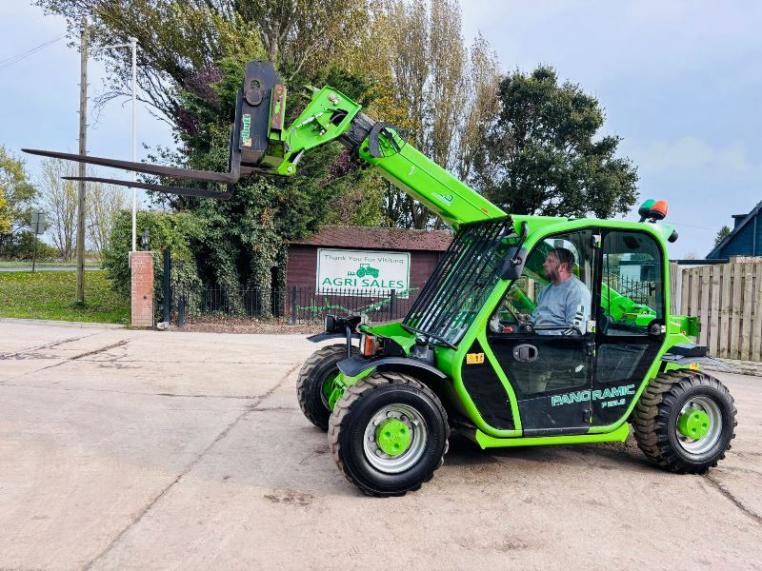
[631, 288]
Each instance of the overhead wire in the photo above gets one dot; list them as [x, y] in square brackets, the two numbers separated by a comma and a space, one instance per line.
[9, 61]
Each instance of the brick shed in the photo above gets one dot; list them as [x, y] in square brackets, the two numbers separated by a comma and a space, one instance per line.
[355, 256]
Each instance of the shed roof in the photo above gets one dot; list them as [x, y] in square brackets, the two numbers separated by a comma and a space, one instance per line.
[374, 238]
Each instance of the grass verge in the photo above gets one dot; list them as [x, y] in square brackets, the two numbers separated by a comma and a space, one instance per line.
[51, 295]
[27, 264]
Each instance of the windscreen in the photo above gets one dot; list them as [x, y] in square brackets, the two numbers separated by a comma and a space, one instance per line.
[461, 282]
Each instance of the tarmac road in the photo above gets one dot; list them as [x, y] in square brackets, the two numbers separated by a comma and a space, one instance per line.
[124, 449]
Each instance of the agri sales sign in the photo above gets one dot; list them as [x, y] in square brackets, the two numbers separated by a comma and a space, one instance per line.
[356, 272]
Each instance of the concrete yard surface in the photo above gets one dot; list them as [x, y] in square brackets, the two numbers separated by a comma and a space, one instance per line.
[124, 449]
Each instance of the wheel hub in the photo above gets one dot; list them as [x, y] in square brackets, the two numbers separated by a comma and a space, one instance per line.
[694, 424]
[393, 437]
[699, 425]
[331, 391]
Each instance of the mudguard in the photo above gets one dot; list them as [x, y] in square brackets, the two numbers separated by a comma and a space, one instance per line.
[687, 350]
[323, 336]
[700, 362]
[355, 365]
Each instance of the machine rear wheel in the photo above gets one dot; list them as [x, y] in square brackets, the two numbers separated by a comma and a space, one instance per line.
[388, 434]
[685, 421]
[314, 382]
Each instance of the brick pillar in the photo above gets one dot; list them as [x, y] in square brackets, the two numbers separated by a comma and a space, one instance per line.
[141, 289]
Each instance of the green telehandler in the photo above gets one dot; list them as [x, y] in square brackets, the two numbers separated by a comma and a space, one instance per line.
[531, 330]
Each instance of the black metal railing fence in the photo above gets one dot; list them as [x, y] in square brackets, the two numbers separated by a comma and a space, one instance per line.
[299, 304]
[639, 291]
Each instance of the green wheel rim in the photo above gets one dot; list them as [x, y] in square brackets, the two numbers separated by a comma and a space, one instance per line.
[699, 425]
[693, 423]
[327, 389]
[393, 437]
[407, 430]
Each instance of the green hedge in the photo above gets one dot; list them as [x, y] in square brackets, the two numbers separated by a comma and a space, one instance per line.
[174, 230]
[20, 246]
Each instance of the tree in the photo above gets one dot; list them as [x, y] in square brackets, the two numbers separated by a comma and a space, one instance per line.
[104, 203]
[25, 245]
[481, 105]
[436, 89]
[181, 42]
[191, 65]
[59, 200]
[722, 234]
[416, 78]
[17, 197]
[544, 155]
[166, 230]
[5, 219]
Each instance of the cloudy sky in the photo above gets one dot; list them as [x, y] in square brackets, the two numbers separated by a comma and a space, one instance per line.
[680, 82]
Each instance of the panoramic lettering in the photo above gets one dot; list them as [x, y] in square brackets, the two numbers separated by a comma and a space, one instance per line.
[596, 395]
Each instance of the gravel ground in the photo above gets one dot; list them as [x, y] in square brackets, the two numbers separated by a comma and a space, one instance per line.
[225, 324]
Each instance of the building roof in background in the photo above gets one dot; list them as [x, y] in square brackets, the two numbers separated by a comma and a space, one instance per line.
[373, 238]
[735, 231]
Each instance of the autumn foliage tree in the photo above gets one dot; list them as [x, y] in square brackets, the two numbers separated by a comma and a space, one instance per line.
[433, 87]
[407, 58]
[17, 197]
[191, 64]
[182, 42]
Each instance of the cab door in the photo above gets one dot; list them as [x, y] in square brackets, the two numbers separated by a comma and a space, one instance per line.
[630, 320]
[550, 368]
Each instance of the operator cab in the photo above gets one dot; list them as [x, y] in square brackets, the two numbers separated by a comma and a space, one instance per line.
[574, 342]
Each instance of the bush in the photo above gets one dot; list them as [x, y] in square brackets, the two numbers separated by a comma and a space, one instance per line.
[165, 230]
[20, 246]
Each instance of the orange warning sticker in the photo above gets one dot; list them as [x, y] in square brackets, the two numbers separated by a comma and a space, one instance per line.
[474, 358]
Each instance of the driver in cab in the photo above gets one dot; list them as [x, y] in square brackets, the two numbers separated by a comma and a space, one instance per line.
[563, 306]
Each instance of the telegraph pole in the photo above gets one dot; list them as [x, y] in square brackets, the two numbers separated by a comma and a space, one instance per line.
[82, 167]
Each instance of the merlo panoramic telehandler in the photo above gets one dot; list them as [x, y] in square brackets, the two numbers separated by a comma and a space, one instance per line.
[469, 357]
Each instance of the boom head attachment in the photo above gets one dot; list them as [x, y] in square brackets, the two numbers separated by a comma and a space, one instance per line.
[260, 111]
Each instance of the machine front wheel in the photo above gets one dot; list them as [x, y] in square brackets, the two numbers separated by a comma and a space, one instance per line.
[388, 434]
[685, 421]
[315, 382]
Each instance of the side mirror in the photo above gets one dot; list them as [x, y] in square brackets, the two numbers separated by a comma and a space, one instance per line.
[513, 264]
[516, 257]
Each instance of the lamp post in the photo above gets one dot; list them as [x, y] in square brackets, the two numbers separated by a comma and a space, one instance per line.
[133, 45]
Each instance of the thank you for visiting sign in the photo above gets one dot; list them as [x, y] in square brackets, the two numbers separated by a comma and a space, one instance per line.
[357, 272]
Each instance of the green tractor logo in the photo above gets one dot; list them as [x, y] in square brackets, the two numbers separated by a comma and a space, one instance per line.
[366, 270]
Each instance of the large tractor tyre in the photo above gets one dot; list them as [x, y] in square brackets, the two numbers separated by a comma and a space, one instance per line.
[388, 434]
[314, 382]
[685, 421]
